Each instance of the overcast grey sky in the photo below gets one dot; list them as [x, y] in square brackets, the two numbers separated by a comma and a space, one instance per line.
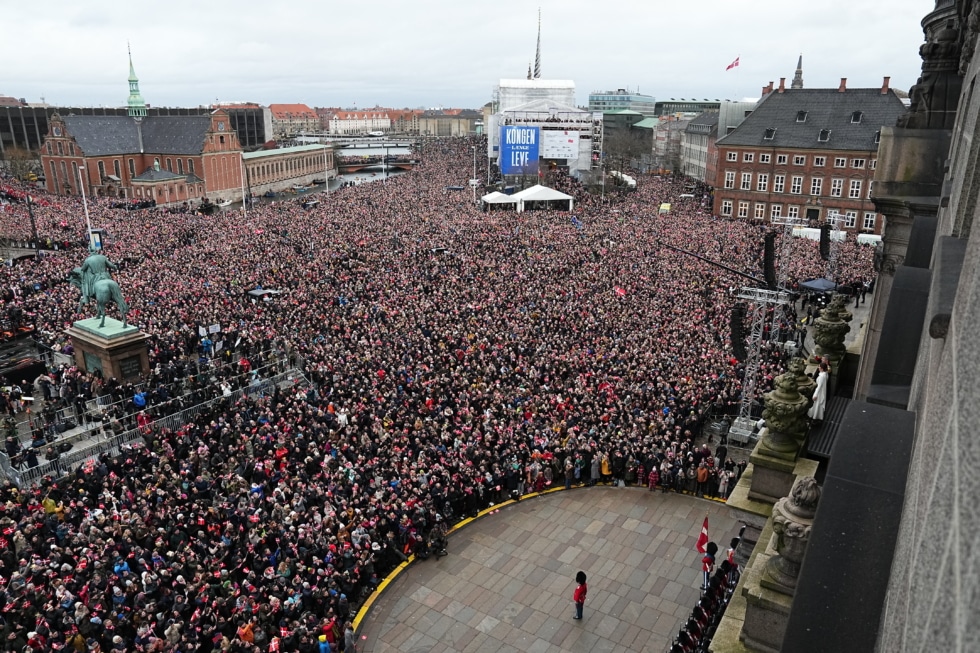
[445, 52]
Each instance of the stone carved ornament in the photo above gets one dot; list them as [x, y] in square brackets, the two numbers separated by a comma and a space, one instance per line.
[784, 406]
[970, 32]
[792, 522]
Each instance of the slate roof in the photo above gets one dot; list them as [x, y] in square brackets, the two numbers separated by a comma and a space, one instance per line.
[826, 109]
[706, 118]
[703, 123]
[109, 135]
[153, 174]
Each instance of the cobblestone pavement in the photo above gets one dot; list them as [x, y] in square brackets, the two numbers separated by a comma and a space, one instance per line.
[506, 585]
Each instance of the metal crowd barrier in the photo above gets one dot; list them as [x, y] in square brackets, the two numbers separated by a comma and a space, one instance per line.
[72, 459]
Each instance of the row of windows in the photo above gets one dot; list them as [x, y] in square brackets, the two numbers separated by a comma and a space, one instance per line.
[854, 186]
[800, 160]
[61, 148]
[792, 211]
[313, 162]
[856, 116]
[170, 193]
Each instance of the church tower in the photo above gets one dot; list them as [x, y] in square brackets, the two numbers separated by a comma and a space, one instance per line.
[798, 77]
[537, 50]
[137, 107]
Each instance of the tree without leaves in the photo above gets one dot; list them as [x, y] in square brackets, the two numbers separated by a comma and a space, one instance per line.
[21, 162]
[623, 146]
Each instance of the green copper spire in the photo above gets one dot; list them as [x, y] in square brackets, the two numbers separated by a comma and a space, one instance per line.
[137, 107]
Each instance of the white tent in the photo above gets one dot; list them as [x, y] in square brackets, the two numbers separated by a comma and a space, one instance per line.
[496, 198]
[539, 193]
[814, 234]
[868, 239]
[626, 179]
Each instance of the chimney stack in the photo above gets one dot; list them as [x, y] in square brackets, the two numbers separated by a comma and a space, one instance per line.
[782, 84]
[767, 89]
[885, 84]
[843, 85]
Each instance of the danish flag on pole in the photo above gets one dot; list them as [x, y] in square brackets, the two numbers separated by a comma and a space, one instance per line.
[702, 544]
[732, 64]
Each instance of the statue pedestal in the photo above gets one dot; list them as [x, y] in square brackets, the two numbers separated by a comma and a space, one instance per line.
[766, 611]
[116, 351]
[755, 608]
[773, 475]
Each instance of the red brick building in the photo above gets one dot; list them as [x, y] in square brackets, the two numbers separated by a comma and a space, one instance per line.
[806, 153]
[289, 120]
[168, 159]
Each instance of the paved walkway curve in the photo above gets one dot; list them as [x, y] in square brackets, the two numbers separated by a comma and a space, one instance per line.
[506, 585]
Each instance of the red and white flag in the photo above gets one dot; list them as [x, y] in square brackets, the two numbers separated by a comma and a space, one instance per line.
[732, 64]
[702, 544]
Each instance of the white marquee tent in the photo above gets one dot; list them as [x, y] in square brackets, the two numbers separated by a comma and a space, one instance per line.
[539, 193]
[498, 199]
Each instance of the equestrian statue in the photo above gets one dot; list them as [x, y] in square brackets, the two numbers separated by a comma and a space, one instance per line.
[95, 282]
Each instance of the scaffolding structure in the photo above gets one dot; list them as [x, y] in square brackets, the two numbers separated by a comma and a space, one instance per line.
[758, 302]
[785, 250]
[835, 219]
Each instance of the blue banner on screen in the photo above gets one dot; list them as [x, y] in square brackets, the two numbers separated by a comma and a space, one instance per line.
[519, 150]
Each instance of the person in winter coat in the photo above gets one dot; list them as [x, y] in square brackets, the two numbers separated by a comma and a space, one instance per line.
[350, 639]
[580, 593]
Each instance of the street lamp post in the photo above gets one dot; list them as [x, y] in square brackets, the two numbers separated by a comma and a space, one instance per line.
[30, 212]
[473, 179]
[81, 188]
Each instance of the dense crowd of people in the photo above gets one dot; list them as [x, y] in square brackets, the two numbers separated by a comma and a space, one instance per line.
[453, 359]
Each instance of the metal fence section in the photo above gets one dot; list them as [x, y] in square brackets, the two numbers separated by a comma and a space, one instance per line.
[112, 444]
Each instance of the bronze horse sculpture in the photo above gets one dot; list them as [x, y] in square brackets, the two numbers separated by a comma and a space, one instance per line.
[103, 291]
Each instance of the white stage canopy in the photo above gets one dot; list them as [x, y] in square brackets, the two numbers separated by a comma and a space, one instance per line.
[496, 197]
[541, 193]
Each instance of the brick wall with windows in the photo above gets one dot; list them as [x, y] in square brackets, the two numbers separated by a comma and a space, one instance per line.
[795, 183]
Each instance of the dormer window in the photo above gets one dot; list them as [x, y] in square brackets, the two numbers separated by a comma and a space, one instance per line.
[824, 135]
[856, 116]
[877, 137]
[801, 116]
[770, 134]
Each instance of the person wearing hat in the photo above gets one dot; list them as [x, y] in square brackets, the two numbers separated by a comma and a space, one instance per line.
[36, 641]
[323, 646]
[581, 590]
